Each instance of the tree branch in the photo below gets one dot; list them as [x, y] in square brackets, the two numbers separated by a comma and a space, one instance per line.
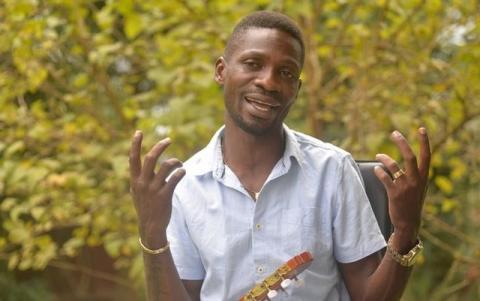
[90, 272]
[446, 247]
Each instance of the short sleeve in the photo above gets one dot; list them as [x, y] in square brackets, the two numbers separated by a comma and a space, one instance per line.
[356, 233]
[184, 252]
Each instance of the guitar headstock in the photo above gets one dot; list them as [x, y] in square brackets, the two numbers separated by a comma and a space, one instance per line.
[280, 279]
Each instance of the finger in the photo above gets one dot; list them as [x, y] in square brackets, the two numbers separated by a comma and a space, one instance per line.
[384, 177]
[425, 153]
[152, 157]
[409, 158]
[174, 179]
[390, 164]
[166, 169]
[134, 156]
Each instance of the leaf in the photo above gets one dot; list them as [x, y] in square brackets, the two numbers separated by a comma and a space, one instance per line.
[113, 247]
[459, 168]
[133, 25]
[13, 261]
[36, 76]
[37, 212]
[25, 263]
[19, 235]
[15, 147]
[449, 205]
[7, 204]
[73, 245]
[17, 211]
[105, 18]
[46, 254]
[80, 80]
[444, 184]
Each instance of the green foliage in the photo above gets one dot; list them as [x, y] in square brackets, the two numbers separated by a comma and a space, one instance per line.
[78, 77]
[31, 290]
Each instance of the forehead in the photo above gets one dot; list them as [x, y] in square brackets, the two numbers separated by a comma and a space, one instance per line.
[269, 42]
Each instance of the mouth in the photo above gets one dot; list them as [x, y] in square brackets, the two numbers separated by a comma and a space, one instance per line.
[261, 105]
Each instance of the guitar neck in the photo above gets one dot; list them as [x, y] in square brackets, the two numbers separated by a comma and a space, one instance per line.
[280, 278]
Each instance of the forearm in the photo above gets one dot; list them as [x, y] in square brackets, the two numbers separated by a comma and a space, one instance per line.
[152, 196]
[406, 188]
[390, 278]
[388, 282]
[162, 280]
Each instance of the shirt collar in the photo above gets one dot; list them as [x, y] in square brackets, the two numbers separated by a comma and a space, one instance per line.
[292, 147]
[210, 159]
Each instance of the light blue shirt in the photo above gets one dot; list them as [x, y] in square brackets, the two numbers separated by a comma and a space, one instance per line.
[313, 200]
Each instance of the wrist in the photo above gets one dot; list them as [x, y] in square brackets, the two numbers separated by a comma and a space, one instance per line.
[153, 239]
[405, 258]
[153, 251]
[404, 240]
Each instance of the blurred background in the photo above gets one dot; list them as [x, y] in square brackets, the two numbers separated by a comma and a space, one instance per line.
[78, 77]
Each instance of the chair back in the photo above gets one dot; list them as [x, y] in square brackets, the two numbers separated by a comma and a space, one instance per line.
[377, 195]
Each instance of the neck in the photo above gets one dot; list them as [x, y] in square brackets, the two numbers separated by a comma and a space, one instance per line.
[247, 153]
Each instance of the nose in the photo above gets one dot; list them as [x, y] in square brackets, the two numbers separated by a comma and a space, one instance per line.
[266, 79]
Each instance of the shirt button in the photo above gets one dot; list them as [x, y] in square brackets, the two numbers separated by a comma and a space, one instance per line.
[258, 226]
[260, 269]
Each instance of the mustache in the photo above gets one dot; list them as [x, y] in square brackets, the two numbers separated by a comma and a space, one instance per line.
[263, 92]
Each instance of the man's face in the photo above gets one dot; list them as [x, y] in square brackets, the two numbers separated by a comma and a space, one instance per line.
[260, 79]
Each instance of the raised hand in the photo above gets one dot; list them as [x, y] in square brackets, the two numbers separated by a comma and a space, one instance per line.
[406, 191]
[152, 194]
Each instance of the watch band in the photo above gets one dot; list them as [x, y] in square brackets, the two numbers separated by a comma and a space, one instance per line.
[408, 259]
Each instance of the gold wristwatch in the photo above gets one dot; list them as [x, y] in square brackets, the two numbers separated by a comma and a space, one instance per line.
[408, 259]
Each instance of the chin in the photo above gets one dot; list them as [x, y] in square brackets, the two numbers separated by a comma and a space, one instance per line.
[255, 131]
[256, 128]
[251, 125]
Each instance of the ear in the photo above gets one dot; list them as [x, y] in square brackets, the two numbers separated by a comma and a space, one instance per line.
[220, 65]
[299, 86]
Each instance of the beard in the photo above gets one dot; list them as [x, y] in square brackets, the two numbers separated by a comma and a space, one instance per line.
[257, 127]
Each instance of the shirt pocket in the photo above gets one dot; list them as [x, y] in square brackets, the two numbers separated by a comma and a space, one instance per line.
[304, 230]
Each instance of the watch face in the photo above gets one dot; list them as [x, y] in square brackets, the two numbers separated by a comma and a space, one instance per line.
[411, 257]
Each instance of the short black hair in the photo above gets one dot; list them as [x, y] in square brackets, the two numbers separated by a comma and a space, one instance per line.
[266, 19]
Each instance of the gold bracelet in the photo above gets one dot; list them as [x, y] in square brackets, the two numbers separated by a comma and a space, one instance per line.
[154, 252]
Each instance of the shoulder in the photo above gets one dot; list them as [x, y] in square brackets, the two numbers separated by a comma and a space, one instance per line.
[309, 143]
[199, 169]
[197, 164]
[199, 159]
[208, 159]
[314, 151]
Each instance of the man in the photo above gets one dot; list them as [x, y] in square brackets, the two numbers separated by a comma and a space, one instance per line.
[260, 193]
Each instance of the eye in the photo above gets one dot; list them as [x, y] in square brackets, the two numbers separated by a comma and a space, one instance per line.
[252, 65]
[287, 74]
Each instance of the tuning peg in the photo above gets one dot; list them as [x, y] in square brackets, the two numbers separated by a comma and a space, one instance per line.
[272, 294]
[285, 283]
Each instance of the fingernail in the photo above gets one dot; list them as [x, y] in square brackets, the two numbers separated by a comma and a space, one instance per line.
[137, 133]
[422, 130]
[166, 140]
[396, 134]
